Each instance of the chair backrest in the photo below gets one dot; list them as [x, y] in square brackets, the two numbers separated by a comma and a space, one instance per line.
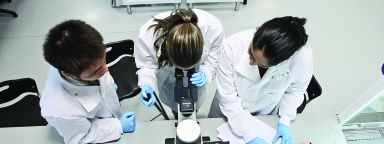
[122, 67]
[119, 48]
[19, 103]
[313, 91]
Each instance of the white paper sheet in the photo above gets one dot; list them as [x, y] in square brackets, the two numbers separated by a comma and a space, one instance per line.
[263, 131]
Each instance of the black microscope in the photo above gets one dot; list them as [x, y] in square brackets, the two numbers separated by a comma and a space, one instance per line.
[185, 93]
[186, 96]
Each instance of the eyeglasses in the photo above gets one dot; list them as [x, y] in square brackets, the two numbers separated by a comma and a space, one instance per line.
[252, 56]
[262, 66]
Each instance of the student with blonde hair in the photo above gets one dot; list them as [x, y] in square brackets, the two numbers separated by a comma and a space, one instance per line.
[185, 39]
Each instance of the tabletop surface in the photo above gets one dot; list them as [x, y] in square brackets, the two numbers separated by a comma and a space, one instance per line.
[317, 128]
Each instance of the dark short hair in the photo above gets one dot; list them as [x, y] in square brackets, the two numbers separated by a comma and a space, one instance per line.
[72, 46]
[280, 38]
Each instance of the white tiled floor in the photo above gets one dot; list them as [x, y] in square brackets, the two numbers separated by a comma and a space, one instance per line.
[346, 36]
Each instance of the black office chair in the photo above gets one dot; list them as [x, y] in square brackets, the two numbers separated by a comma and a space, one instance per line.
[122, 67]
[14, 14]
[313, 91]
[19, 104]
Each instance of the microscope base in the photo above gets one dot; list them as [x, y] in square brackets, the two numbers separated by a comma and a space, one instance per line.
[176, 141]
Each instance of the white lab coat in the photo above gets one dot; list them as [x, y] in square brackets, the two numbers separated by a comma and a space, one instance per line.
[82, 114]
[162, 80]
[241, 91]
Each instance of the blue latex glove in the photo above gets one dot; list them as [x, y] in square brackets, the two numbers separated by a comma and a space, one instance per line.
[198, 79]
[128, 122]
[283, 133]
[257, 140]
[145, 91]
[115, 87]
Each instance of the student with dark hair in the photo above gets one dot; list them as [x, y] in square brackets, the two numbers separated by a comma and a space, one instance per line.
[183, 39]
[79, 99]
[263, 71]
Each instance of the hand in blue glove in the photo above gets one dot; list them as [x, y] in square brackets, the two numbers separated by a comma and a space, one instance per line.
[257, 140]
[283, 133]
[147, 96]
[128, 122]
[382, 69]
[198, 79]
[115, 86]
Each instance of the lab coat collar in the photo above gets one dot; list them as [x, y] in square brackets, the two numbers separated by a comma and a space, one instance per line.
[249, 71]
[88, 96]
[252, 71]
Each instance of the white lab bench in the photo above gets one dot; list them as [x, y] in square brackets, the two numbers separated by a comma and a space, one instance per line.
[320, 128]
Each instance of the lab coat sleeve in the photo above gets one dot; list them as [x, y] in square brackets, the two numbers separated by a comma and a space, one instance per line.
[239, 119]
[293, 96]
[146, 60]
[81, 130]
[210, 64]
